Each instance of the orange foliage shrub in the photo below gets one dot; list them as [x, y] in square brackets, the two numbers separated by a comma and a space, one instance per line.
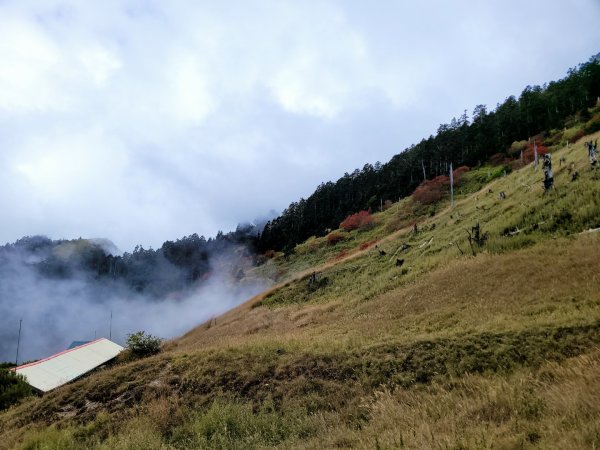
[431, 191]
[360, 221]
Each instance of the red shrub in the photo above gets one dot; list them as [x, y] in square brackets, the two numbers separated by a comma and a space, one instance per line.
[431, 191]
[360, 221]
[528, 154]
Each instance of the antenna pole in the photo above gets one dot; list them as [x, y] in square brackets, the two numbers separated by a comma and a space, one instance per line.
[110, 328]
[18, 343]
[451, 187]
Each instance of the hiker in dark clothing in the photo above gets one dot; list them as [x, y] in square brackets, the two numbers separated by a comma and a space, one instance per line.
[548, 175]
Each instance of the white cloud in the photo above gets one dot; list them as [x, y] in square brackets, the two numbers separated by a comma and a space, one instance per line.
[29, 62]
[61, 167]
[191, 99]
[99, 63]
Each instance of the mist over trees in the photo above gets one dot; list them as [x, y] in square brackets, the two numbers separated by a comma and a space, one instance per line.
[462, 142]
[175, 266]
[66, 290]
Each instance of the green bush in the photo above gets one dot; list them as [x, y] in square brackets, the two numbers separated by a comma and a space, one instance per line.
[141, 344]
[13, 387]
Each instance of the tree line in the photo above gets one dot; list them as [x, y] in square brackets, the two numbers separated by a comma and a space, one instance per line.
[462, 142]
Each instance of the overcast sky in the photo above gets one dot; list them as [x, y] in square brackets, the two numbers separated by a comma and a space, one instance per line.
[142, 121]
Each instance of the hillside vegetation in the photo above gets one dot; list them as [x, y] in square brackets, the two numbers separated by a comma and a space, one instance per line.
[353, 349]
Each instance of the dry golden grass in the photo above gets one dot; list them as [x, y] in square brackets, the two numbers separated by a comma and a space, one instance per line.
[552, 284]
[557, 406]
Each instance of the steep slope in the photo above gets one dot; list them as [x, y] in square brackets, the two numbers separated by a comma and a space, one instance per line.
[448, 350]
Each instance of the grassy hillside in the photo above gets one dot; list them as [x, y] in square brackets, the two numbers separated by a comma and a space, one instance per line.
[448, 350]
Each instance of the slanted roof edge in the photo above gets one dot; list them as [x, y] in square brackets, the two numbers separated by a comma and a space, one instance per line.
[58, 354]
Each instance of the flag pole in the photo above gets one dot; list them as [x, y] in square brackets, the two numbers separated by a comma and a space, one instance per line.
[18, 343]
